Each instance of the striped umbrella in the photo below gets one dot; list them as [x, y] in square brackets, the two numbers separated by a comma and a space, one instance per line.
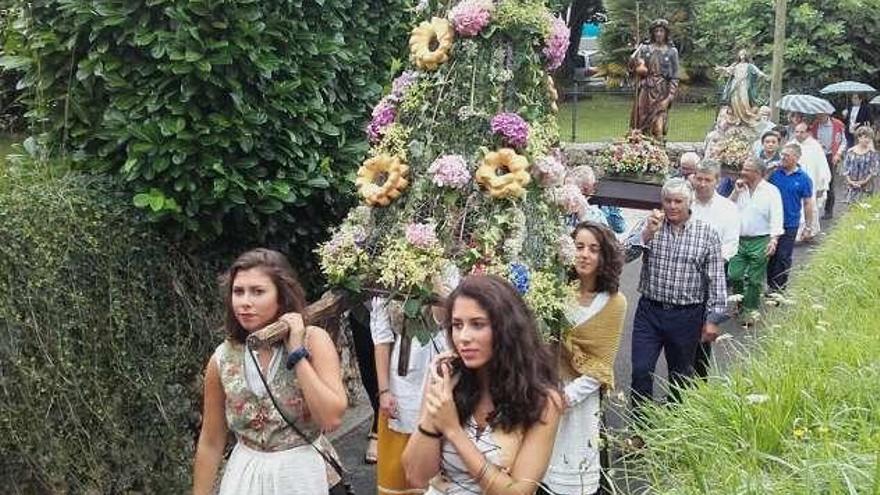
[847, 87]
[806, 104]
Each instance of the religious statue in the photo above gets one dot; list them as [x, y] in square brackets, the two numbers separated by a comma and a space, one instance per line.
[741, 90]
[655, 64]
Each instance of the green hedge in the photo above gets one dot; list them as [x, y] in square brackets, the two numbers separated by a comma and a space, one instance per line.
[231, 117]
[801, 412]
[104, 331]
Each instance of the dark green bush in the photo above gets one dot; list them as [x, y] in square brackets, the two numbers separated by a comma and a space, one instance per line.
[104, 330]
[220, 116]
[11, 108]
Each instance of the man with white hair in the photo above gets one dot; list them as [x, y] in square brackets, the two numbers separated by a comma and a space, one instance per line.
[584, 179]
[687, 165]
[682, 286]
[815, 165]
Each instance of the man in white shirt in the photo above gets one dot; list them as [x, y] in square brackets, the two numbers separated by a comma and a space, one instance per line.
[722, 215]
[761, 223]
[715, 209]
[814, 163]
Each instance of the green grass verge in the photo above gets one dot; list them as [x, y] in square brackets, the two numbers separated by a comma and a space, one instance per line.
[800, 412]
[605, 117]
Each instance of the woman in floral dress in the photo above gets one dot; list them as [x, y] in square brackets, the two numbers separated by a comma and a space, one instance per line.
[302, 372]
[862, 166]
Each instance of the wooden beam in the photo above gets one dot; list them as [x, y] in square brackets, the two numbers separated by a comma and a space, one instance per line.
[625, 194]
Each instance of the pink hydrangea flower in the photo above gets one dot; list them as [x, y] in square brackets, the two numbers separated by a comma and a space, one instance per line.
[556, 43]
[383, 115]
[569, 198]
[469, 17]
[450, 171]
[549, 171]
[567, 250]
[512, 128]
[421, 235]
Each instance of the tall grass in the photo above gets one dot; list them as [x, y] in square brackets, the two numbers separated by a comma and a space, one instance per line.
[800, 412]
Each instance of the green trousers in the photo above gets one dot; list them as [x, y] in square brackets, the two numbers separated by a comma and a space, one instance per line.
[748, 270]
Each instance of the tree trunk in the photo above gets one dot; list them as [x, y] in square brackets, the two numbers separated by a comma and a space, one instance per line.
[778, 59]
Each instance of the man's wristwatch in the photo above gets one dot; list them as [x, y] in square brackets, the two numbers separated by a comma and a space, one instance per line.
[296, 356]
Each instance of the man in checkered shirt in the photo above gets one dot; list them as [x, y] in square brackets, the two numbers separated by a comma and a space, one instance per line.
[683, 290]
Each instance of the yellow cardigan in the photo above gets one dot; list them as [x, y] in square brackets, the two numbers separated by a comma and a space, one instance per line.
[590, 348]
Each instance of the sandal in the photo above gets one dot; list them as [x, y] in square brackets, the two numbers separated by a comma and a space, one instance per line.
[372, 453]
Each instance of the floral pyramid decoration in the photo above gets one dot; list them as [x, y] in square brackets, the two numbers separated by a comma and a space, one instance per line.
[464, 173]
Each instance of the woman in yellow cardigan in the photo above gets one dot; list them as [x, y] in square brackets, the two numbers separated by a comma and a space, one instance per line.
[587, 360]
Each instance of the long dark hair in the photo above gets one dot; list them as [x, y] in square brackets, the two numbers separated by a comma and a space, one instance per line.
[522, 370]
[610, 257]
[291, 296]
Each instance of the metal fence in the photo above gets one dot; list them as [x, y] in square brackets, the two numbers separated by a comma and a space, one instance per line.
[597, 114]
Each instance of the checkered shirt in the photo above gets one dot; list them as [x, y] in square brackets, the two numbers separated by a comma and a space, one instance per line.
[683, 267]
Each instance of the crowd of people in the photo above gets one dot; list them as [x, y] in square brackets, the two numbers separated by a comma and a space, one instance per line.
[484, 406]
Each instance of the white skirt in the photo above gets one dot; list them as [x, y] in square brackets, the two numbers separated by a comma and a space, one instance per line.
[298, 471]
[574, 464]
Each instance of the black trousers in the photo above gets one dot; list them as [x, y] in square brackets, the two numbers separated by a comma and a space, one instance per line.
[366, 358]
[780, 263]
[673, 329]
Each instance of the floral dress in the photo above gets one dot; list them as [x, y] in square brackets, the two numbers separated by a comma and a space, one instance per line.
[269, 457]
[858, 167]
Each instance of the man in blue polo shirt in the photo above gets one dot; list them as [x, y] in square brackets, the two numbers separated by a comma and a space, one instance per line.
[796, 190]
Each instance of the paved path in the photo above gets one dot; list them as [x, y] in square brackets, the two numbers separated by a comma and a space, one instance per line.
[352, 442]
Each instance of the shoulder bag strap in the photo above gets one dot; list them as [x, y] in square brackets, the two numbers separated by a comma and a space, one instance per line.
[328, 458]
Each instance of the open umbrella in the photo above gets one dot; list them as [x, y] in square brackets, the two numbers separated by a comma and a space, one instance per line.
[806, 104]
[875, 101]
[847, 87]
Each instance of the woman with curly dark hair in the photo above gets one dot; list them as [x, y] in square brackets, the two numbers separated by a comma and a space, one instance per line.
[586, 366]
[490, 413]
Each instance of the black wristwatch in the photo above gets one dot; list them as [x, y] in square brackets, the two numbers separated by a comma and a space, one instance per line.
[295, 356]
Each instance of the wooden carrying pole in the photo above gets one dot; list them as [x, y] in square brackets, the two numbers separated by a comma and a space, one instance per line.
[778, 58]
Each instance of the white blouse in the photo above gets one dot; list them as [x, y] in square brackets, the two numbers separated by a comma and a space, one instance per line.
[407, 389]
